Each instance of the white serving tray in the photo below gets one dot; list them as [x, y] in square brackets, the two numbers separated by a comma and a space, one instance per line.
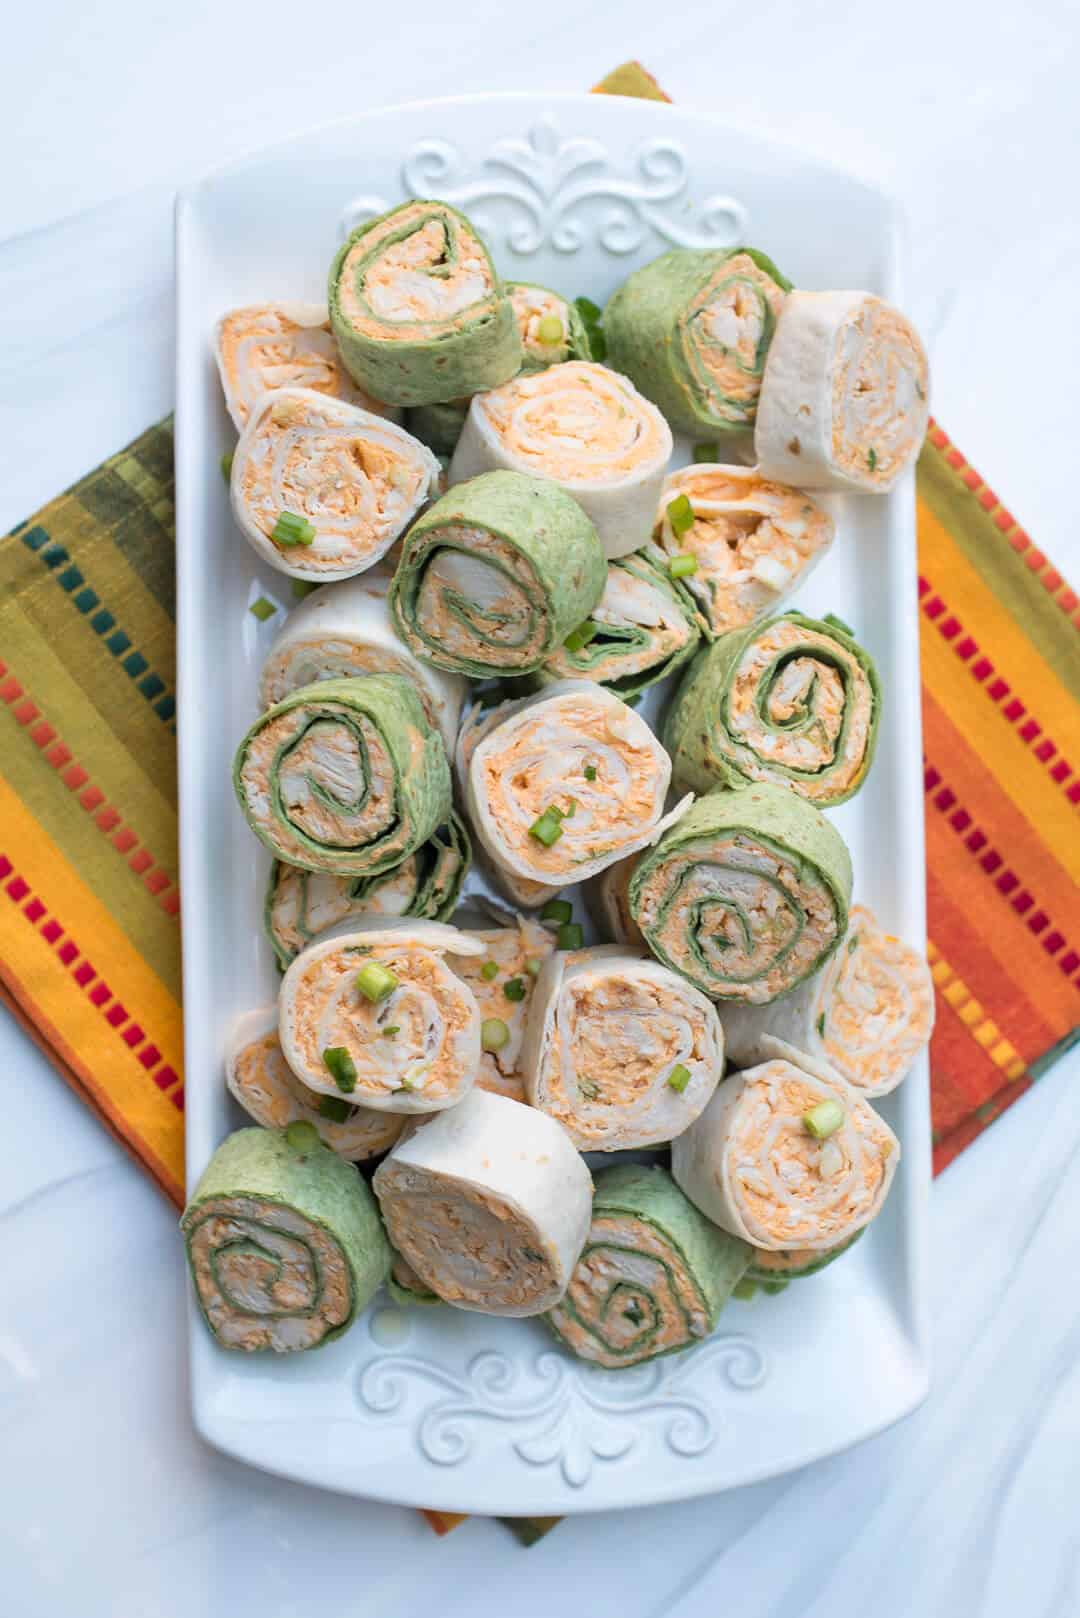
[438, 1407]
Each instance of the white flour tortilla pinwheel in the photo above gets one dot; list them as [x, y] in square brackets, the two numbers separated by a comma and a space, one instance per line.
[266, 346]
[785, 1159]
[476, 721]
[376, 1015]
[845, 397]
[489, 1204]
[503, 980]
[619, 1050]
[583, 427]
[567, 782]
[321, 489]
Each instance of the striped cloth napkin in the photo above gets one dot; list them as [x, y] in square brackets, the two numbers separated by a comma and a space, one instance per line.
[89, 905]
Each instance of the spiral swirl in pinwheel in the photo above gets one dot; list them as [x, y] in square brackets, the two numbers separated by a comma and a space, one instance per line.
[476, 722]
[494, 577]
[867, 1016]
[747, 895]
[584, 428]
[621, 1051]
[266, 346]
[692, 330]
[283, 1241]
[374, 1014]
[793, 700]
[653, 1275]
[845, 398]
[345, 776]
[784, 1159]
[417, 308]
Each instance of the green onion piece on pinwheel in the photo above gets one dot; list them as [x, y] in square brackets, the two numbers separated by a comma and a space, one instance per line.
[346, 776]
[746, 895]
[495, 576]
[504, 984]
[642, 629]
[653, 1275]
[321, 489]
[551, 327]
[793, 700]
[527, 780]
[261, 1080]
[283, 1241]
[381, 1004]
[867, 1016]
[845, 399]
[489, 1204]
[584, 428]
[794, 1263]
[751, 1165]
[405, 1286]
[300, 905]
[753, 541]
[692, 330]
[418, 311]
[265, 346]
[622, 1052]
[476, 722]
[345, 632]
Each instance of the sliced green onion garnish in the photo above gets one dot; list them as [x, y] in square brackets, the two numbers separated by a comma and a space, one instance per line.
[550, 329]
[824, 1119]
[489, 970]
[871, 459]
[571, 935]
[391, 1031]
[226, 464]
[375, 982]
[557, 910]
[301, 1135]
[303, 587]
[678, 1078]
[744, 1289]
[262, 609]
[514, 989]
[590, 772]
[547, 828]
[680, 514]
[581, 636]
[335, 1109]
[292, 530]
[340, 1066]
[704, 454]
[820, 1026]
[533, 967]
[571, 810]
[493, 1034]
[681, 566]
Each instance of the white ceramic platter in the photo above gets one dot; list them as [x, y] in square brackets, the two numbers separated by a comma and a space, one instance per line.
[439, 1407]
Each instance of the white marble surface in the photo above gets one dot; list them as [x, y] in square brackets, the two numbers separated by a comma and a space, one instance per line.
[110, 1505]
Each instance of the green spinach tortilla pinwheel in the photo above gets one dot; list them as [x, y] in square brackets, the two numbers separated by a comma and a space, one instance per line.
[793, 700]
[347, 631]
[495, 576]
[300, 905]
[866, 1016]
[283, 1241]
[776, 1269]
[784, 1159]
[321, 489]
[621, 1051]
[737, 543]
[266, 346]
[405, 1286]
[584, 428]
[489, 1205]
[418, 311]
[375, 1014]
[692, 331]
[642, 629]
[746, 895]
[261, 1080]
[845, 398]
[346, 776]
[653, 1275]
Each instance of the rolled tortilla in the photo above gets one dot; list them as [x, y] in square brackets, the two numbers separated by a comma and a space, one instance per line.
[266, 346]
[417, 308]
[494, 577]
[347, 631]
[642, 629]
[845, 397]
[747, 895]
[283, 1241]
[753, 542]
[793, 700]
[692, 330]
[608, 897]
[753, 1167]
[427, 885]
[490, 1205]
[620, 1051]
[586, 429]
[414, 1048]
[476, 722]
[866, 1016]
[322, 489]
[793, 1263]
[568, 782]
[517, 952]
[653, 1275]
[344, 776]
[405, 1286]
[264, 1084]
